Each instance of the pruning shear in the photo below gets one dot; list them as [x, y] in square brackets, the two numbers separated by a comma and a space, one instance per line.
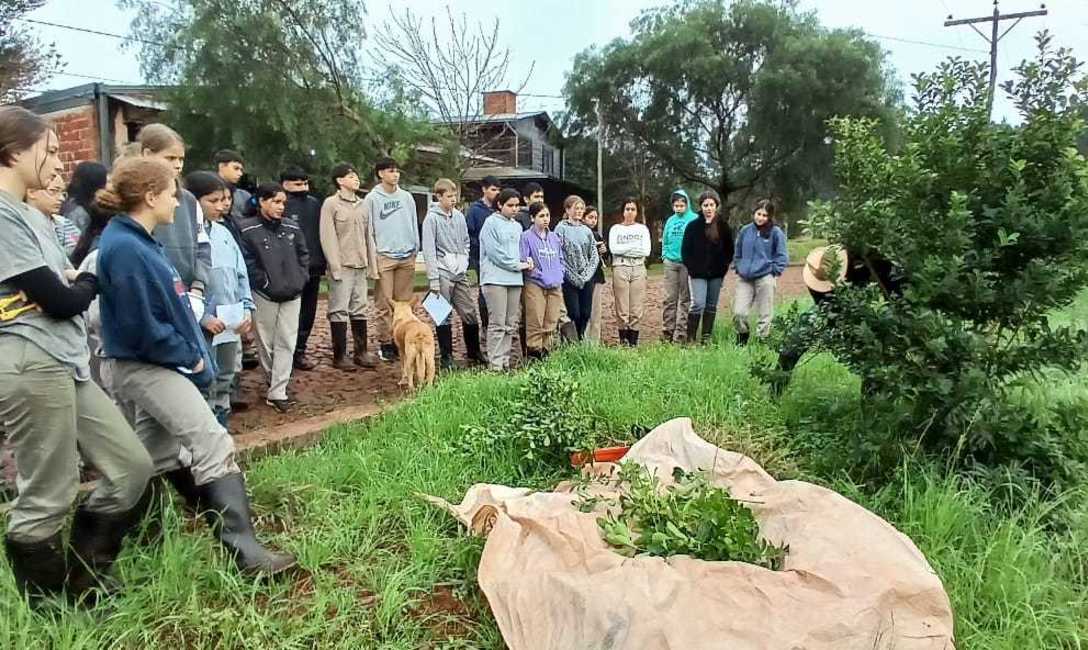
[10, 307]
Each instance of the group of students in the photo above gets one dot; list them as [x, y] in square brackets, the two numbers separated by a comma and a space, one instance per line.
[145, 422]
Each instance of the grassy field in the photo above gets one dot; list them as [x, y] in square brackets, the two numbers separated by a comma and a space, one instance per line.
[385, 570]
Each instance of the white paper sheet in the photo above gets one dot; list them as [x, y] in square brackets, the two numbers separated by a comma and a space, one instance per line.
[437, 307]
[232, 315]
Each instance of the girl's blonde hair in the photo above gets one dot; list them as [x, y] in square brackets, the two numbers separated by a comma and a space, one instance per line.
[130, 181]
[572, 201]
[158, 137]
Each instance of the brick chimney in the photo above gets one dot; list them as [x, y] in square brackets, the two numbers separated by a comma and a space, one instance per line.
[500, 102]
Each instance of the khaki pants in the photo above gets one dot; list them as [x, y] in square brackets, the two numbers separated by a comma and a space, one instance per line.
[347, 296]
[228, 358]
[395, 279]
[629, 290]
[503, 305]
[460, 294]
[172, 420]
[277, 335]
[758, 292]
[541, 315]
[674, 314]
[53, 420]
[593, 329]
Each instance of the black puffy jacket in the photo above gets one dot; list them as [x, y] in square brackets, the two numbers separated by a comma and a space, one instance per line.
[706, 259]
[276, 257]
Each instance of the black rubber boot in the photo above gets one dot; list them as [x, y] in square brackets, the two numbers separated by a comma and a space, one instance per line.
[95, 543]
[39, 567]
[232, 523]
[568, 332]
[742, 338]
[632, 337]
[159, 494]
[472, 344]
[708, 326]
[363, 358]
[339, 332]
[692, 336]
[444, 334]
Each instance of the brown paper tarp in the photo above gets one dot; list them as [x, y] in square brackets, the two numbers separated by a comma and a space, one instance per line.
[850, 579]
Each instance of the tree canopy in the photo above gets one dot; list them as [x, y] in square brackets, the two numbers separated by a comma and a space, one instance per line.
[280, 81]
[987, 226]
[24, 60]
[733, 96]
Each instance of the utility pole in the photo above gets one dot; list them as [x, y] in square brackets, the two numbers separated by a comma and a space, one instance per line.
[600, 171]
[993, 39]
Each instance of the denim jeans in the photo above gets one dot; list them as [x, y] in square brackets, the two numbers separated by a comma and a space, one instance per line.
[704, 295]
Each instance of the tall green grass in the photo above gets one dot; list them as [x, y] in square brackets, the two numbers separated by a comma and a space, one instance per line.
[375, 552]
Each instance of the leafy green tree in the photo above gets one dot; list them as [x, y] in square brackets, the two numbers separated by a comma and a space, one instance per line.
[24, 60]
[987, 225]
[278, 80]
[733, 96]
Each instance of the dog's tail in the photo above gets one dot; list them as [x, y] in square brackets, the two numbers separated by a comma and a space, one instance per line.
[423, 355]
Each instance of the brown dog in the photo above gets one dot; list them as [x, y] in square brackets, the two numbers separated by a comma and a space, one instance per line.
[415, 342]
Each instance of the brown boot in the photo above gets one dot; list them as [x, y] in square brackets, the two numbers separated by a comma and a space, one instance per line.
[363, 359]
[339, 332]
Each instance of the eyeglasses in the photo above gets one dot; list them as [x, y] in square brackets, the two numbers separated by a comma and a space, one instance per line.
[57, 194]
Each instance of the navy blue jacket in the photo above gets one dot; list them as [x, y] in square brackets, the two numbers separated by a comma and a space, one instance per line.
[146, 315]
[477, 214]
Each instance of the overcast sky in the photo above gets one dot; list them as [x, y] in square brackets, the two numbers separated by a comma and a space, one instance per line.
[551, 33]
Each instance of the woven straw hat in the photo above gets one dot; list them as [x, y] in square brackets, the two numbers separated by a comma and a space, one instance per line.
[818, 267]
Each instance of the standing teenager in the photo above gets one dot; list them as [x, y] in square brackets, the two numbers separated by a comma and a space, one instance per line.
[305, 210]
[592, 220]
[446, 253]
[47, 200]
[674, 313]
[543, 292]
[351, 262]
[707, 251]
[228, 285]
[629, 242]
[278, 265]
[53, 414]
[87, 178]
[580, 262]
[477, 214]
[501, 266]
[157, 361]
[231, 167]
[393, 234]
[184, 239]
[760, 258]
[531, 193]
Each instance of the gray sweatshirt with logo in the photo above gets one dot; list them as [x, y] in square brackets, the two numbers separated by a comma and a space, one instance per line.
[445, 244]
[392, 228]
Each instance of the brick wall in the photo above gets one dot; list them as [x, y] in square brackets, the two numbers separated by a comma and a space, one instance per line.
[78, 134]
[500, 102]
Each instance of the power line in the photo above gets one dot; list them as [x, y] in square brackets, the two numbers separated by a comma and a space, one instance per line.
[89, 31]
[97, 78]
[926, 43]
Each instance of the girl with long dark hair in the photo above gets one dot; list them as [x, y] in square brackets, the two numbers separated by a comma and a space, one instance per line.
[707, 252]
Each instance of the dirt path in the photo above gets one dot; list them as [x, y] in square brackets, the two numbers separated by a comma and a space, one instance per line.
[323, 390]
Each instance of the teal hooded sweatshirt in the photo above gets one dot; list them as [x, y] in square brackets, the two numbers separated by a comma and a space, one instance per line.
[672, 236]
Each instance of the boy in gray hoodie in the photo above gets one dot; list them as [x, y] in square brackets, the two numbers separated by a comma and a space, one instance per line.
[393, 233]
[446, 253]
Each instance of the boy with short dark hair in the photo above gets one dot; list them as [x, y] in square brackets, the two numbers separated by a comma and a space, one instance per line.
[446, 253]
[477, 214]
[305, 209]
[393, 235]
[351, 262]
[230, 166]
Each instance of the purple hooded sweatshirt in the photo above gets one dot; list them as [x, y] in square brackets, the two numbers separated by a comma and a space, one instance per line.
[547, 256]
